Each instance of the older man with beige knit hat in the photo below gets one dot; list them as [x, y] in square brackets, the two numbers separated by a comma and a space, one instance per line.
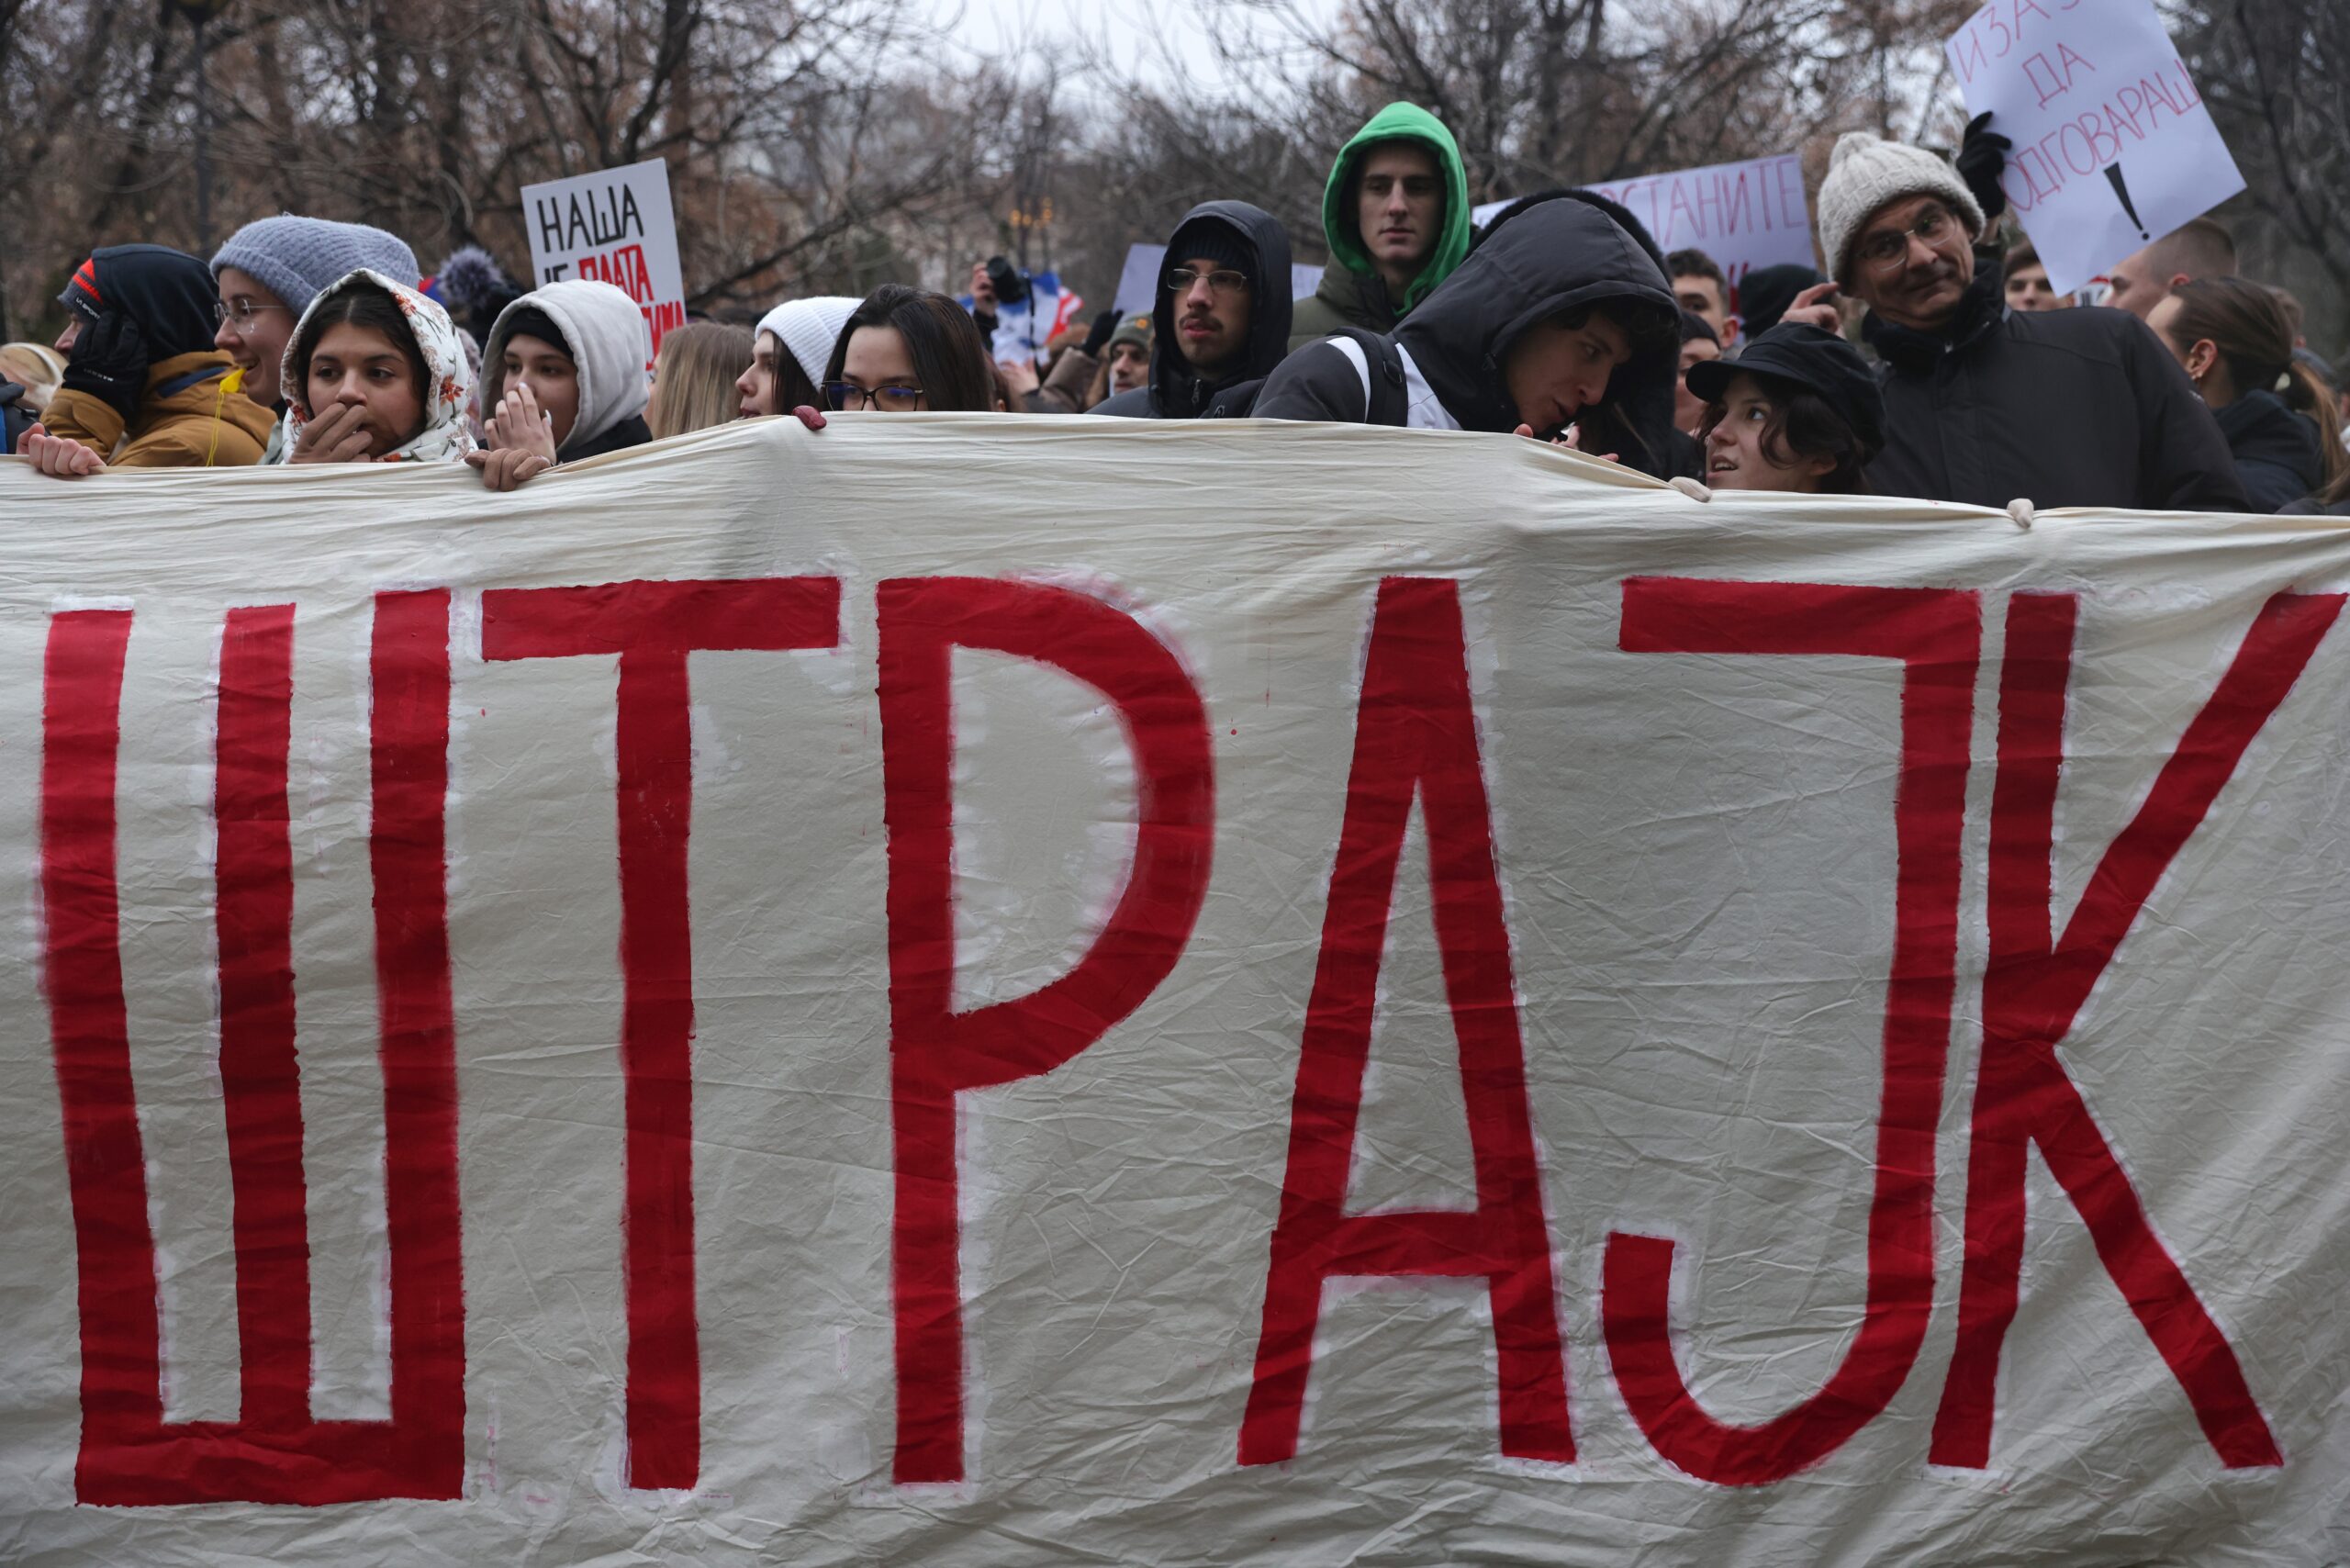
[1983, 404]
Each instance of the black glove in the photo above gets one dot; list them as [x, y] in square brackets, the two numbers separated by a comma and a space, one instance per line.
[1982, 155]
[109, 363]
[1097, 337]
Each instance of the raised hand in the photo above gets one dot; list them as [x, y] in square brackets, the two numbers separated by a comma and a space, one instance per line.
[1815, 307]
[518, 424]
[337, 436]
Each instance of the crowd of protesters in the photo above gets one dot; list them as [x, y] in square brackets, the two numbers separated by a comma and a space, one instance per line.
[1926, 362]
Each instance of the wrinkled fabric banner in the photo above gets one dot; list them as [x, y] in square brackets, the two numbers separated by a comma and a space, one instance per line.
[995, 992]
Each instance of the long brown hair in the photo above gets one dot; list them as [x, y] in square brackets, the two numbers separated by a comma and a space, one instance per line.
[951, 359]
[2254, 337]
[693, 380]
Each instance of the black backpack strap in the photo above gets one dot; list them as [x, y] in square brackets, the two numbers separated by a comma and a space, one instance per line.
[1385, 365]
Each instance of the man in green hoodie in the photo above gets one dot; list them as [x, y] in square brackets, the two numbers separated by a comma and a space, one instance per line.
[1396, 216]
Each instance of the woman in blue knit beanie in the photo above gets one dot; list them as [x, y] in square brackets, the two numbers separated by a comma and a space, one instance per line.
[267, 274]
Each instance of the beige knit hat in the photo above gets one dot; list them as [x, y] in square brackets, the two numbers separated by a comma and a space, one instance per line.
[1864, 174]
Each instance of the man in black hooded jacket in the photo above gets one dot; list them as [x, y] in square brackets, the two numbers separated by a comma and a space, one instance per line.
[1219, 334]
[1562, 314]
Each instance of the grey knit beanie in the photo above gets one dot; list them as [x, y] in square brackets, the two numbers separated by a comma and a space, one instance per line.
[1864, 174]
[296, 257]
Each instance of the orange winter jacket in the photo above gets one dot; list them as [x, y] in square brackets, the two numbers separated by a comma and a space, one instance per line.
[185, 419]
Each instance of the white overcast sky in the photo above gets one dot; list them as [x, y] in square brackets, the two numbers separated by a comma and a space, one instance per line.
[1126, 30]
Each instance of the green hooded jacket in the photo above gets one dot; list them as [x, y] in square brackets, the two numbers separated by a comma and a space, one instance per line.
[1352, 294]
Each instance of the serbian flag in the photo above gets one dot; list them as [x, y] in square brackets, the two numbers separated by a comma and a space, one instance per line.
[1022, 330]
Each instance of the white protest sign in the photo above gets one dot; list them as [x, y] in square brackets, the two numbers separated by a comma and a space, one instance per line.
[1141, 280]
[1009, 993]
[2113, 147]
[1744, 216]
[614, 226]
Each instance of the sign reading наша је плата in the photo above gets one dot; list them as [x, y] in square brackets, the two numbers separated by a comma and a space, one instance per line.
[613, 226]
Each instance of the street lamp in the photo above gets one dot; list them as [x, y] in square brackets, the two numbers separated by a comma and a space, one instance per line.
[197, 12]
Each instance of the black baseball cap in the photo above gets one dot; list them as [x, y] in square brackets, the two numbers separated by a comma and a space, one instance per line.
[1812, 358]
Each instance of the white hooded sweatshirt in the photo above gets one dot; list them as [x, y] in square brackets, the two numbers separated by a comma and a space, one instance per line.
[604, 332]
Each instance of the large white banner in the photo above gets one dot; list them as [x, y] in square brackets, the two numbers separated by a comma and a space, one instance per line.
[1250, 994]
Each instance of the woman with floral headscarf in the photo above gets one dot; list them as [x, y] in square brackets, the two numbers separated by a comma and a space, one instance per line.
[376, 374]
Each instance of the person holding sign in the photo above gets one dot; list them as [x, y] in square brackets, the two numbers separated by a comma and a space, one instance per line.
[562, 378]
[375, 375]
[1984, 404]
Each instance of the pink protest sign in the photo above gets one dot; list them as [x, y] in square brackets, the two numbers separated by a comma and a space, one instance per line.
[2113, 147]
[1745, 215]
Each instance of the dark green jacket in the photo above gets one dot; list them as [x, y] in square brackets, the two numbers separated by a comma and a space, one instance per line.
[1352, 294]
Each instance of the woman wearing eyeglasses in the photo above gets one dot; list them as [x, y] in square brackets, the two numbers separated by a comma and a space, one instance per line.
[907, 350]
[144, 387]
[268, 275]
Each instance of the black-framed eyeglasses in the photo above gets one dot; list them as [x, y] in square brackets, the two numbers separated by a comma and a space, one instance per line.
[1222, 281]
[241, 311]
[1883, 248]
[844, 397]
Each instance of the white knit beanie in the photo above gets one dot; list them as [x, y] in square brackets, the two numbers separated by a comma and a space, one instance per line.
[807, 327]
[1864, 174]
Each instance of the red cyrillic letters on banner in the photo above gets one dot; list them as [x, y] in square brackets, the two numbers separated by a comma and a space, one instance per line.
[2034, 990]
[1415, 733]
[652, 626]
[936, 1052]
[1937, 634]
[274, 1452]
[1416, 737]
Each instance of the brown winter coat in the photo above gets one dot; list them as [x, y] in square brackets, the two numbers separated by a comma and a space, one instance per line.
[1069, 389]
[184, 420]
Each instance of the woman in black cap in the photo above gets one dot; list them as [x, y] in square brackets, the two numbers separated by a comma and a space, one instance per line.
[1798, 409]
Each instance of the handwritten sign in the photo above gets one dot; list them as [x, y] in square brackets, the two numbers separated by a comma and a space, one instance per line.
[614, 226]
[1745, 215]
[2113, 147]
